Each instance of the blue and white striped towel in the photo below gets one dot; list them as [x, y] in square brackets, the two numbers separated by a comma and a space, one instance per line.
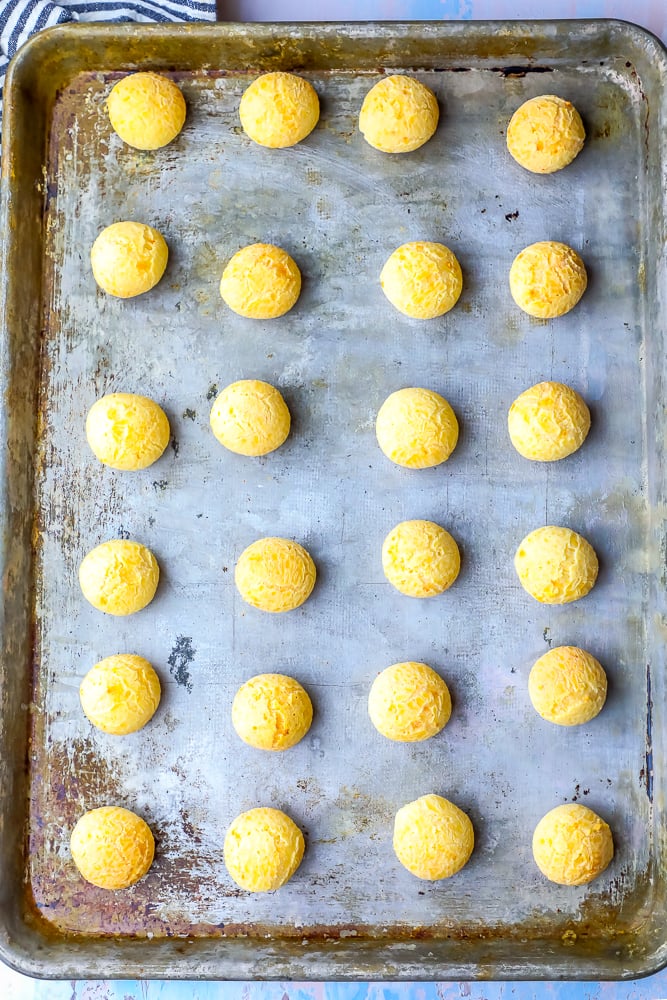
[21, 18]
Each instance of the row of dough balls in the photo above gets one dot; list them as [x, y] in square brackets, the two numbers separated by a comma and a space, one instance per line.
[416, 428]
[433, 838]
[420, 559]
[421, 279]
[408, 702]
[398, 115]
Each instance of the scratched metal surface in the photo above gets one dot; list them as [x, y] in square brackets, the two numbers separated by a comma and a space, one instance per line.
[340, 208]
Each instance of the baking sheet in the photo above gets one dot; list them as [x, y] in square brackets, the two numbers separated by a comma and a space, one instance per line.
[340, 208]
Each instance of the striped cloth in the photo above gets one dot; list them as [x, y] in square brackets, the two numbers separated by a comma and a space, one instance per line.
[21, 18]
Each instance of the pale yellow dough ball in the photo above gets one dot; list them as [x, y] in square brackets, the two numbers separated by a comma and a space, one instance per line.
[433, 838]
[120, 694]
[261, 281]
[409, 702]
[146, 110]
[572, 845]
[548, 422]
[275, 574]
[399, 114]
[271, 712]
[250, 418]
[567, 686]
[263, 848]
[279, 110]
[547, 279]
[420, 559]
[556, 565]
[422, 280]
[112, 847]
[119, 577]
[416, 428]
[128, 259]
[126, 431]
[545, 134]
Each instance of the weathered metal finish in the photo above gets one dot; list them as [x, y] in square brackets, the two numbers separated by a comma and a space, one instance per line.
[340, 208]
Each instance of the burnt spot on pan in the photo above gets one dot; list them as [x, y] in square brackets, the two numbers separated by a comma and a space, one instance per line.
[179, 660]
[517, 72]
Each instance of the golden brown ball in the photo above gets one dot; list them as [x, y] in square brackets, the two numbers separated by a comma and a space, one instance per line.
[119, 577]
[409, 702]
[567, 686]
[147, 110]
[120, 694]
[572, 845]
[126, 431]
[548, 422]
[556, 565]
[420, 558]
[547, 279]
[279, 110]
[422, 280]
[250, 417]
[263, 848]
[128, 259]
[433, 838]
[275, 574]
[271, 712]
[417, 428]
[399, 114]
[545, 134]
[112, 847]
[261, 281]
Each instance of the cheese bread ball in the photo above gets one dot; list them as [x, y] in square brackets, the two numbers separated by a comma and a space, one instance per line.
[146, 110]
[119, 577]
[120, 694]
[128, 259]
[261, 281]
[279, 110]
[572, 845]
[433, 838]
[556, 565]
[548, 422]
[271, 712]
[399, 114]
[422, 280]
[409, 702]
[545, 134]
[250, 418]
[112, 847]
[263, 848]
[417, 428]
[126, 431]
[275, 574]
[547, 279]
[567, 686]
[420, 559]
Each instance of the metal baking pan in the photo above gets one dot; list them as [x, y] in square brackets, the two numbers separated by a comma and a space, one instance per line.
[340, 208]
